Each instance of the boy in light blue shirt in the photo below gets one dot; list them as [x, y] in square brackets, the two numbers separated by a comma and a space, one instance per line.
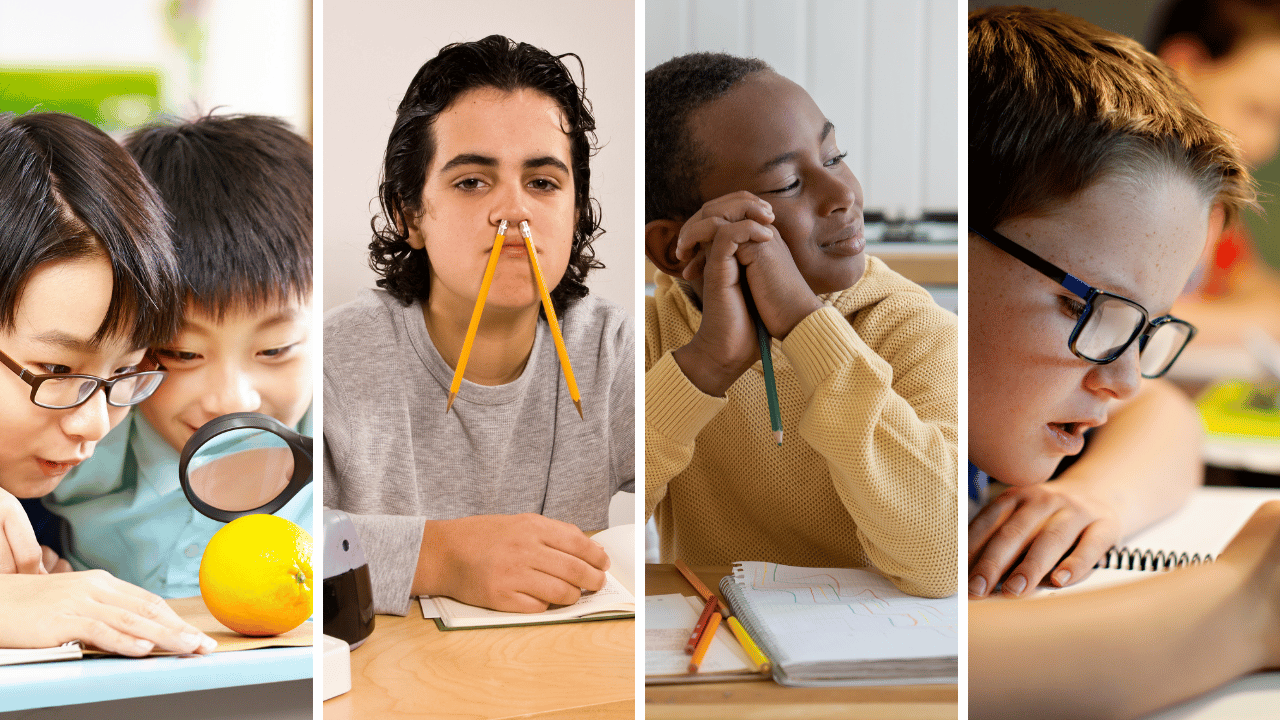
[238, 189]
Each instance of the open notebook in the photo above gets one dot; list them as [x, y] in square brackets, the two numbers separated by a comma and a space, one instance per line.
[830, 626]
[615, 600]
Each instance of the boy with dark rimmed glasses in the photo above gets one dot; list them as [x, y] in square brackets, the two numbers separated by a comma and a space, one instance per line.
[1111, 172]
[1086, 155]
[1108, 323]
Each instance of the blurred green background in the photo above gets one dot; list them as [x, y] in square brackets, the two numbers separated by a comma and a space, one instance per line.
[113, 99]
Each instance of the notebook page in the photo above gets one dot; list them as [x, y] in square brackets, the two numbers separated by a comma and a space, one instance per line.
[669, 619]
[829, 614]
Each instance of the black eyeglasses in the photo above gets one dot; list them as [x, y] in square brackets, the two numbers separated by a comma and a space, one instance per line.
[59, 392]
[1109, 323]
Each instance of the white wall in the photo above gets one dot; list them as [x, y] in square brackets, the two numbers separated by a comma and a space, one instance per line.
[372, 51]
[884, 71]
[257, 56]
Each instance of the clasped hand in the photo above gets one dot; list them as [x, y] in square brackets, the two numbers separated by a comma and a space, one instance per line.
[728, 237]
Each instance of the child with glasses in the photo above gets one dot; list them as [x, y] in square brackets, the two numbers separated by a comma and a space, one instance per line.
[88, 282]
[239, 191]
[1094, 184]
[746, 186]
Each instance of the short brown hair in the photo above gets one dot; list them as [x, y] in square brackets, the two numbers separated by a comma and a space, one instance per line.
[1057, 103]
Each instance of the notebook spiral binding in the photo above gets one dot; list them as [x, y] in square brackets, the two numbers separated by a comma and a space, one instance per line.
[1127, 558]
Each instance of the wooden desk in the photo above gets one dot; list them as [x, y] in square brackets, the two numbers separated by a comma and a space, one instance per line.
[767, 699]
[407, 669]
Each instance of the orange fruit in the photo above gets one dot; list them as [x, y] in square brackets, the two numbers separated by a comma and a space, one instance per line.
[255, 576]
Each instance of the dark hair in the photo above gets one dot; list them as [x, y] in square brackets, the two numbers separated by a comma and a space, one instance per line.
[673, 165]
[1056, 104]
[238, 188]
[67, 192]
[1219, 25]
[506, 65]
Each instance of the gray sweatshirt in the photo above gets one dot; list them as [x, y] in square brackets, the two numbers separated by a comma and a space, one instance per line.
[393, 459]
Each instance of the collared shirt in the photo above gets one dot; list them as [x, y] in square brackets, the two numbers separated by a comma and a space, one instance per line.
[125, 512]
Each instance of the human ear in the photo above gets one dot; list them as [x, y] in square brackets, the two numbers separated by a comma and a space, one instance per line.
[412, 232]
[660, 245]
[1185, 55]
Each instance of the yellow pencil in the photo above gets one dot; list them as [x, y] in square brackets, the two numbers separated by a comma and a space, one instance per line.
[749, 645]
[704, 642]
[475, 314]
[551, 317]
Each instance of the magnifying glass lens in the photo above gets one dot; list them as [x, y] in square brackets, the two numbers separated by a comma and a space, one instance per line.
[241, 469]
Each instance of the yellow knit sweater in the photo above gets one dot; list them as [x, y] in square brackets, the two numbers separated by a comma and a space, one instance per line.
[867, 472]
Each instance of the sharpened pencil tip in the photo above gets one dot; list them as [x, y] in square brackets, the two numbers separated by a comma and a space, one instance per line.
[778, 437]
[449, 405]
[578, 404]
[502, 227]
[524, 229]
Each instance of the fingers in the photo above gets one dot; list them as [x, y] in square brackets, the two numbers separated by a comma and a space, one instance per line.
[734, 208]
[1054, 541]
[19, 550]
[573, 558]
[103, 636]
[1077, 566]
[986, 522]
[142, 615]
[49, 559]
[1005, 545]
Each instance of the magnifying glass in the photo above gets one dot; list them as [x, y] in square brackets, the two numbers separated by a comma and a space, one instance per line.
[244, 464]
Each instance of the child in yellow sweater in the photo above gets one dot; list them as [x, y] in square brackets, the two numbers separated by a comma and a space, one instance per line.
[744, 181]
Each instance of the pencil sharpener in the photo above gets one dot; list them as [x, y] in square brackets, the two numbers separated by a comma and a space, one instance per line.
[348, 593]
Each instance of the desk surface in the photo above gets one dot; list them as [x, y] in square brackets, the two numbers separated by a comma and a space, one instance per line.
[765, 698]
[407, 668]
[114, 678]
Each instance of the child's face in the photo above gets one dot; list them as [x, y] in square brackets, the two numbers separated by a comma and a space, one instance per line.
[768, 137]
[498, 156]
[250, 361]
[52, 333]
[1241, 92]
[1030, 398]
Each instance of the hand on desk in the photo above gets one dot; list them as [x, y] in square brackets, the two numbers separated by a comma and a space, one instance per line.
[95, 608]
[1045, 521]
[513, 563]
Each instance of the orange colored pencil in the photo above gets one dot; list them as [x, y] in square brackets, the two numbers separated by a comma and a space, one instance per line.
[475, 315]
[551, 317]
[707, 611]
[705, 642]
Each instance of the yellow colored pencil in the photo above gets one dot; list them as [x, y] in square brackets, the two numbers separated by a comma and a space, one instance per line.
[704, 642]
[551, 317]
[753, 652]
[475, 315]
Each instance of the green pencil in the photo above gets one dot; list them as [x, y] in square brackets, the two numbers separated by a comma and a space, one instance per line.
[766, 361]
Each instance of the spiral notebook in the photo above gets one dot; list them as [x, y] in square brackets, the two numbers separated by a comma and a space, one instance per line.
[1194, 534]
[1127, 558]
[832, 626]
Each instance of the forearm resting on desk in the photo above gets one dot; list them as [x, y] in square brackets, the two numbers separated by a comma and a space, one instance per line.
[1127, 650]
